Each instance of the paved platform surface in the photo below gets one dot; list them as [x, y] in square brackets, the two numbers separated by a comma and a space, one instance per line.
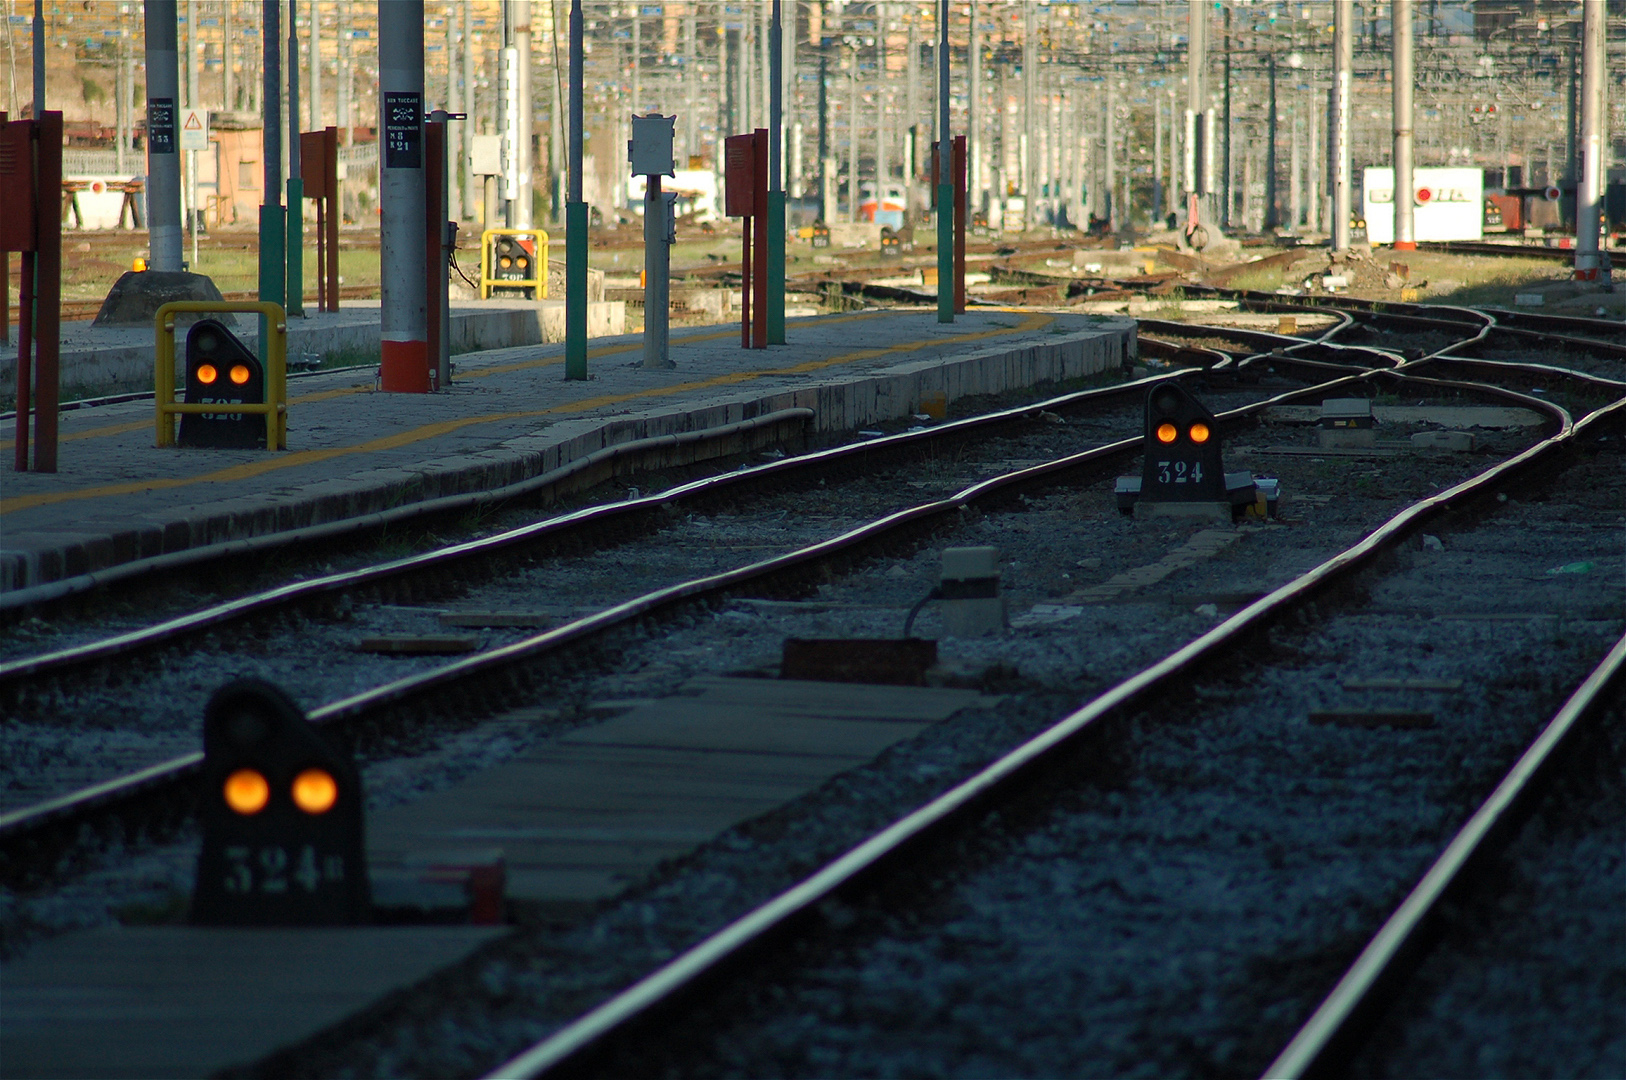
[178, 1001]
[508, 415]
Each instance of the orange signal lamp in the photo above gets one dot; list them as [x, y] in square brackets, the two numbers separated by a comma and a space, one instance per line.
[1199, 433]
[239, 374]
[315, 791]
[1166, 433]
[207, 373]
[247, 792]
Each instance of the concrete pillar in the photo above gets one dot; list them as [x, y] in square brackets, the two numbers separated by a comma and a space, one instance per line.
[1591, 262]
[163, 135]
[1343, 73]
[1405, 229]
[404, 326]
[521, 15]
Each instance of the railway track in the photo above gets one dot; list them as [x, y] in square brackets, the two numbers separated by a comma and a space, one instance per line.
[809, 974]
[474, 687]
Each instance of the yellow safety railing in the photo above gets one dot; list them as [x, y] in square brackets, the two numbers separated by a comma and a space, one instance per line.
[539, 280]
[275, 406]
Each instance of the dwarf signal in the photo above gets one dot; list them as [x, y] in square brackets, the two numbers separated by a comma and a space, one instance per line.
[220, 370]
[1184, 472]
[281, 815]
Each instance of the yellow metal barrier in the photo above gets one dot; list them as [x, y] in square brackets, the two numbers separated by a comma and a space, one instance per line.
[275, 406]
[539, 278]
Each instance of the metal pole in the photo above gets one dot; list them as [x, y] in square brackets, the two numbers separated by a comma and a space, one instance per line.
[1591, 263]
[1405, 229]
[163, 142]
[657, 278]
[1343, 51]
[945, 175]
[852, 139]
[346, 76]
[575, 217]
[296, 180]
[1157, 160]
[1030, 76]
[1110, 155]
[468, 107]
[404, 315]
[527, 111]
[228, 34]
[1227, 178]
[973, 112]
[776, 187]
[316, 66]
[1273, 219]
[452, 199]
[1196, 103]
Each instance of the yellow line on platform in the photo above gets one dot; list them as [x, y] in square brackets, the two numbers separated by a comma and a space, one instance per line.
[293, 459]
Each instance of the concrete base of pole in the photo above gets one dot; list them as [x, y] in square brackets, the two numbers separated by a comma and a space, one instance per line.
[576, 290]
[945, 253]
[136, 297]
[295, 252]
[776, 267]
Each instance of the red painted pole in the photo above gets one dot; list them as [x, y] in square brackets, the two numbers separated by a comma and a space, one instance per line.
[759, 271]
[959, 224]
[47, 290]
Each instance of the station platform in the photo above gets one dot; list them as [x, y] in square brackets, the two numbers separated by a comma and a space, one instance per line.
[508, 415]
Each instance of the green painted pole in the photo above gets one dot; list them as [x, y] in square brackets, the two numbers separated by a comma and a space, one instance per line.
[576, 290]
[776, 267]
[296, 247]
[575, 216]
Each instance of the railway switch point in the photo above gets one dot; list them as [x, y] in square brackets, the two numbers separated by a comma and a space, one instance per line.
[281, 812]
[969, 587]
[221, 370]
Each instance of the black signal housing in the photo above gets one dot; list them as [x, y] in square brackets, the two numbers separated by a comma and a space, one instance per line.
[281, 811]
[219, 368]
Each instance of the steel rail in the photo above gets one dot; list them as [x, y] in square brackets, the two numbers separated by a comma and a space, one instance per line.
[1322, 1045]
[572, 1044]
[558, 478]
[580, 522]
[484, 673]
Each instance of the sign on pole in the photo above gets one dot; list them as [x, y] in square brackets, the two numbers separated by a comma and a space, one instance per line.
[195, 129]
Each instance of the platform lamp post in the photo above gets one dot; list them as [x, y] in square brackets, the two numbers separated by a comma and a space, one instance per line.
[945, 175]
[296, 180]
[404, 315]
[575, 217]
[775, 254]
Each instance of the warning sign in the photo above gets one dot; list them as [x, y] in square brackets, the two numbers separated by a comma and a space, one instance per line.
[195, 129]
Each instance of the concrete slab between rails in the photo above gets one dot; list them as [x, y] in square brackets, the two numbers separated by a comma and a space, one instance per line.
[101, 360]
[178, 1001]
[356, 452]
[582, 816]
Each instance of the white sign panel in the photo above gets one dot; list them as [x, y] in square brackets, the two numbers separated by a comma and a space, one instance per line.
[1449, 204]
[195, 129]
